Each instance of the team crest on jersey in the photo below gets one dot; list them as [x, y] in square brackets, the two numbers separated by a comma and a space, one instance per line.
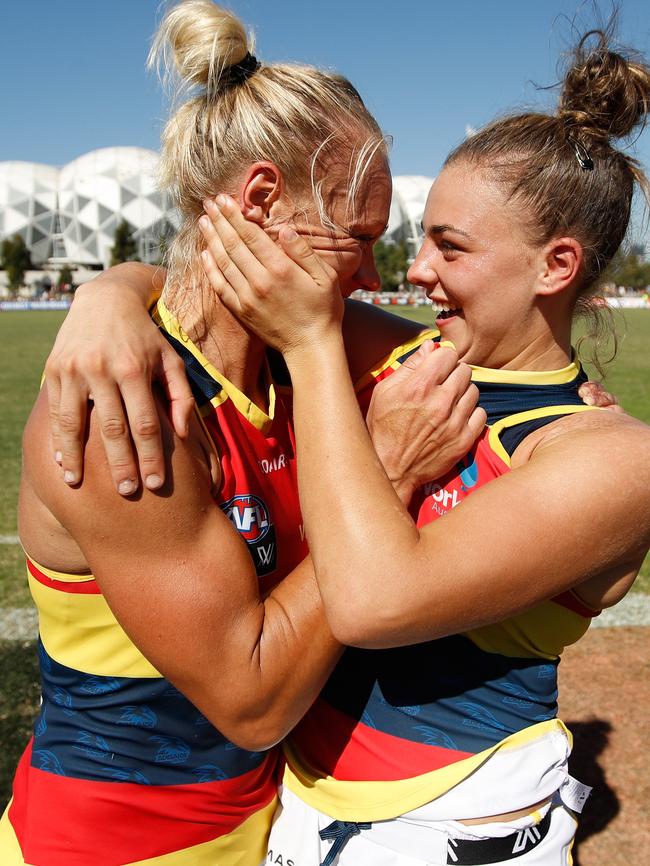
[252, 520]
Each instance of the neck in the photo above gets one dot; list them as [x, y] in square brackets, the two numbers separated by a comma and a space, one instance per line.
[541, 354]
[544, 343]
[232, 349]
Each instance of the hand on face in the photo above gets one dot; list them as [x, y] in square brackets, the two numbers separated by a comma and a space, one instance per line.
[283, 292]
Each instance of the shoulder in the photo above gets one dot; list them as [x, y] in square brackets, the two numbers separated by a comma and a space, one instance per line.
[371, 333]
[600, 431]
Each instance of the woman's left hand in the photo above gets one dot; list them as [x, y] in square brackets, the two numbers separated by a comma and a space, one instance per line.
[424, 418]
[284, 293]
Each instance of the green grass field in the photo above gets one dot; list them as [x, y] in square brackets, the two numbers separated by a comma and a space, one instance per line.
[25, 338]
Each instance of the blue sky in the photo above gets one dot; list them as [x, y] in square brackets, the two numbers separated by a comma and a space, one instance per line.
[73, 78]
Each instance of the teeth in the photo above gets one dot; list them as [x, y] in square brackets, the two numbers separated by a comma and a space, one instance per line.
[444, 310]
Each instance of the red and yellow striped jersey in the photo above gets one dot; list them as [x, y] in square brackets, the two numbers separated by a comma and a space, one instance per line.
[122, 768]
[394, 729]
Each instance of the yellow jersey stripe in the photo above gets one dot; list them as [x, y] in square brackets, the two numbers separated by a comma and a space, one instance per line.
[259, 419]
[381, 801]
[81, 632]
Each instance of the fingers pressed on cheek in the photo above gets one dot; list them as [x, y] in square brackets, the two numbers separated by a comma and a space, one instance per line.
[206, 227]
[288, 234]
[211, 270]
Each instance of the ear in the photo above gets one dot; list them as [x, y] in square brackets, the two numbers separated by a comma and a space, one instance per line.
[261, 186]
[562, 260]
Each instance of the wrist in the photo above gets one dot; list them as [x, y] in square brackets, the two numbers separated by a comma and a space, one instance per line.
[404, 488]
[318, 348]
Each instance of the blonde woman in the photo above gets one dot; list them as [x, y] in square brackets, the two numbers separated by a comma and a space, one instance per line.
[204, 583]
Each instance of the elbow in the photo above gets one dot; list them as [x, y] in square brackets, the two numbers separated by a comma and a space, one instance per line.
[256, 732]
[254, 722]
[358, 622]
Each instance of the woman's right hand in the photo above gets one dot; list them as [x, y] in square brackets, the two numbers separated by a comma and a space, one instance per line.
[285, 292]
[108, 350]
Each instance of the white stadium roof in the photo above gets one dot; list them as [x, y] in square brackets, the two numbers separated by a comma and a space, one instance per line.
[99, 190]
[72, 213]
[28, 203]
[406, 209]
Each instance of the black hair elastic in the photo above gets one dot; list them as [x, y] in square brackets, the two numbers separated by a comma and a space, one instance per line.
[241, 71]
[582, 154]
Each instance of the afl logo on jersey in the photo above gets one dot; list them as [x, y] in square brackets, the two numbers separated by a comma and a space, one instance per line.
[249, 515]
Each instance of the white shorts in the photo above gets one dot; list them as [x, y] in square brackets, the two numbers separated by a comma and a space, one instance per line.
[544, 838]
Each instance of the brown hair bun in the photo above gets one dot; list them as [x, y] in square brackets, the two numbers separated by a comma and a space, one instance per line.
[605, 94]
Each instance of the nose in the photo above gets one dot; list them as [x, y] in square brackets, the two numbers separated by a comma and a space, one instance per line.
[423, 272]
[367, 273]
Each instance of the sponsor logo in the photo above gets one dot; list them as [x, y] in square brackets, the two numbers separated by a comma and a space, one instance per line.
[529, 835]
[272, 465]
[445, 498]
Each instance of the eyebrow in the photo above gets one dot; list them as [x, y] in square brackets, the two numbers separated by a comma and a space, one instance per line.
[445, 227]
[357, 228]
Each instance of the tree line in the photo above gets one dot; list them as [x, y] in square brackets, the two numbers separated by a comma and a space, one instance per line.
[629, 268]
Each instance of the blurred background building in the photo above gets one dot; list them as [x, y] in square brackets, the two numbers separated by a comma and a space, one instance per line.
[70, 215]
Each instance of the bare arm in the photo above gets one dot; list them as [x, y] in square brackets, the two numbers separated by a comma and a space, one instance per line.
[182, 584]
[384, 581]
[577, 509]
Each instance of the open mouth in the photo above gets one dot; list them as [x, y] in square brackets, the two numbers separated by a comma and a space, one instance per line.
[447, 312]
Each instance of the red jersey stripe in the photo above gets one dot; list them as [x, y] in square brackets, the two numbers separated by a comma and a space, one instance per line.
[91, 822]
[78, 587]
[353, 752]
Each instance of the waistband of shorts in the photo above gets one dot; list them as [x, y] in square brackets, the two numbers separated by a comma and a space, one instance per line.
[474, 844]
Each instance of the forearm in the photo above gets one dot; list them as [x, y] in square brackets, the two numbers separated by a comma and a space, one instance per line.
[144, 282]
[294, 654]
[356, 525]
[253, 668]
[384, 583]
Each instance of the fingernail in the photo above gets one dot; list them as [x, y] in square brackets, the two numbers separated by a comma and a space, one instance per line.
[289, 234]
[152, 482]
[126, 487]
[220, 200]
[58, 457]
[69, 477]
[204, 222]
[589, 400]
[208, 204]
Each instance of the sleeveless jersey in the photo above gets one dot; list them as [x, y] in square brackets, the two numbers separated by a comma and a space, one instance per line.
[394, 729]
[122, 768]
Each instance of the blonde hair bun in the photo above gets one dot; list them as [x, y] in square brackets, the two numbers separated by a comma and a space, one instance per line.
[204, 41]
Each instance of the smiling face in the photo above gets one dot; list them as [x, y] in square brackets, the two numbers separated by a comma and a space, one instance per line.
[479, 268]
